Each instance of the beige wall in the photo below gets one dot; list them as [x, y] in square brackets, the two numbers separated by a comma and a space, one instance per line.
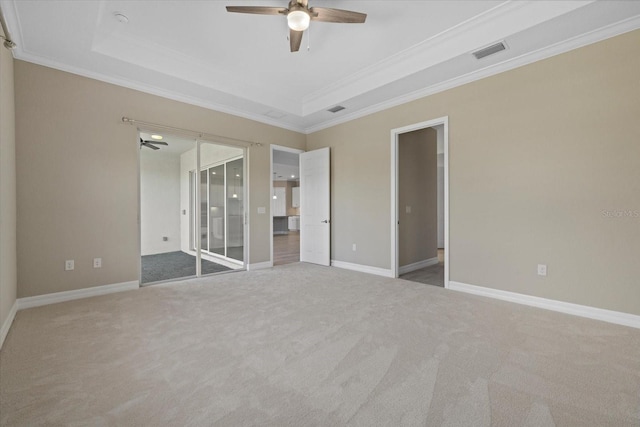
[542, 160]
[8, 272]
[538, 155]
[418, 190]
[77, 167]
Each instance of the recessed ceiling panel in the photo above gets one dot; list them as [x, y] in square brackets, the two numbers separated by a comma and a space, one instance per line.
[197, 52]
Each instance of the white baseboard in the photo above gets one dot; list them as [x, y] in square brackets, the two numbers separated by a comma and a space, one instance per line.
[417, 265]
[4, 331]
[610, 316]
[362, 268]
[57, 297]
[259, 266]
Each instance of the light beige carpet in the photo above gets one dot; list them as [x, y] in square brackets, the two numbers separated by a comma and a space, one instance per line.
[301, 345]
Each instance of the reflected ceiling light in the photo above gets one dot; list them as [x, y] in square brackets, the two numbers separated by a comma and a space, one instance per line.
[274, 188]
[298, 20]
[293, 176]
[156, 137]
[235, 185]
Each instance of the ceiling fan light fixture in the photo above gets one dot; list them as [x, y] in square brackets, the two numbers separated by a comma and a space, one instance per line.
[298, 20]
[156, 137]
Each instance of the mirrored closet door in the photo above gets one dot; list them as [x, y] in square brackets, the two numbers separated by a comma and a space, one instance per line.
[191, 207]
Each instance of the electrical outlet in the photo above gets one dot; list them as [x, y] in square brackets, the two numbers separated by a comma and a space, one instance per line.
[542, 269]
[97, 262]
[69, 265]
[353, 247]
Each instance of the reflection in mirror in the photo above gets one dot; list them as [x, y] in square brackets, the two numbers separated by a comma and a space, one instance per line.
[174, 223]
[222, 179]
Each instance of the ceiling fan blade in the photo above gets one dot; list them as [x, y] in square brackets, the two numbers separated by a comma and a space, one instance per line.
[153, 147]
[337, 15]
[156, 142]
[258, 10]
[295, 38]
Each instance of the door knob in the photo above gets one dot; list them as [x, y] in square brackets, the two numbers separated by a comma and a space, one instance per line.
[326, 221]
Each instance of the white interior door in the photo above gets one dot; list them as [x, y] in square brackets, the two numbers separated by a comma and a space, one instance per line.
[315, 225]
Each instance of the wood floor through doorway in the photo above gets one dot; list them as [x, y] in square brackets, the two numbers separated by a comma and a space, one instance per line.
[286, 248]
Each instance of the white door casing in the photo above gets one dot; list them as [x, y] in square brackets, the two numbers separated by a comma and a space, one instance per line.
[315, 224]
[395, 133]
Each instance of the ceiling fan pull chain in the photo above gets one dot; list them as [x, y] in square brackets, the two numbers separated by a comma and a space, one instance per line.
[308, 39]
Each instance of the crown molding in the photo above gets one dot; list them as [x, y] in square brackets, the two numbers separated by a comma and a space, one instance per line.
[10, 15]
[482, 29]
[360, 82]
[586, 39]
[153, 90]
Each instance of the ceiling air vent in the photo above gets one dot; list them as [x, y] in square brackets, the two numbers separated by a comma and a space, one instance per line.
[336, 109]
[490, 50]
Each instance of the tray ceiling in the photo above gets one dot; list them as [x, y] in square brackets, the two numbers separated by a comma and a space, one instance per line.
[196, 52]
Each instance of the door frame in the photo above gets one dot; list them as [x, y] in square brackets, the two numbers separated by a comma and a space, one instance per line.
[395, 133]
[275, 147]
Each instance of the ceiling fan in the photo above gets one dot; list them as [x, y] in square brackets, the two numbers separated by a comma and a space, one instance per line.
[299, 14]
[150, 144]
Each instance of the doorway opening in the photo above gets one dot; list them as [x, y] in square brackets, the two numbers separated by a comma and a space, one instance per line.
[419, 229]
[285, 205]
[192, 208]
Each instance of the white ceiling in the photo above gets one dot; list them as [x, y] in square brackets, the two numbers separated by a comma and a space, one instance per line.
[196, 52]
[176, 145]
[286, 166]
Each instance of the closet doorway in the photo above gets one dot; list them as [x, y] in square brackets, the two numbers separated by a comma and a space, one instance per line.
[191, 208]
[419, 202]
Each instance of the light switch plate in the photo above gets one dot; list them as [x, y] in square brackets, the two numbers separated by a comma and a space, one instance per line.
[262, 210]
[408, 209]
